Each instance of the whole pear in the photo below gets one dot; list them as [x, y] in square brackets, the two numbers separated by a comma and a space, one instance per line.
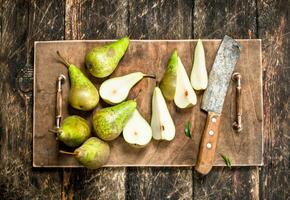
[83, 94]
[93, 154]
[109, 122]
[102, 61]
[73, 131]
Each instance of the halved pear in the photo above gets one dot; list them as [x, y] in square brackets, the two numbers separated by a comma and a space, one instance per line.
[184, 94]
[137, 132]
[175, 84]
[116, 90]
[199, 78]
[162, 125]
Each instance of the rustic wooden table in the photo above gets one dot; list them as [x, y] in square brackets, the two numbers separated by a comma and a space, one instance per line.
[24, 21]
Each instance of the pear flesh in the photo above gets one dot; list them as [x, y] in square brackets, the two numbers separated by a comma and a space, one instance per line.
[93, 154]
[83, 95]
[199, 77]
[116, 90]
[109, 122]
[175, 84]
[162, 125]
[102, 61]
[73, 131]
[184, 94]
[137, 132]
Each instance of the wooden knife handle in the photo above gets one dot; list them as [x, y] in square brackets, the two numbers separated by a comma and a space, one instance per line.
[208, 144]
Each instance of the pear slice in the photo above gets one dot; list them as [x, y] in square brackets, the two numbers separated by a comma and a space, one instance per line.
[162, 125]
[199, 78]
[137, 132]
[116, 90]
[184, 94]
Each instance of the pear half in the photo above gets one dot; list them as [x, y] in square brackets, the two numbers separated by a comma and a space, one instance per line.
[199, 78]
[137, 132]
[184, 94]
[175, 84]
[162, 125]
[116, 90]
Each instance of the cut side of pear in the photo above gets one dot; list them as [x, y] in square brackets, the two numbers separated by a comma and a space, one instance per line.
[184, 94]
[199, 77]
[116, 90]
[137, 132]
[162, 125]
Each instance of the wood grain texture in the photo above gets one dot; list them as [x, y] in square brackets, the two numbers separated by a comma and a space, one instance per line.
[214, 19]
[22, 22]
[275, 176]
[244, 149]
[95, 20]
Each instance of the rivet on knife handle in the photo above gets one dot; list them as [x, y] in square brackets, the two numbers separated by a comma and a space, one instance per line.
[237, 125]
[58, 111]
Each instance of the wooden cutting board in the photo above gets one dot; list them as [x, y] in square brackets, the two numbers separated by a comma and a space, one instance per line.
[151, 56]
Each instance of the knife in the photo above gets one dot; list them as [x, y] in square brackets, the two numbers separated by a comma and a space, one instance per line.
[213, 100]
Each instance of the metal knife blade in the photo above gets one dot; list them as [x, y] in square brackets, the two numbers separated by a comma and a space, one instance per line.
[220, 75]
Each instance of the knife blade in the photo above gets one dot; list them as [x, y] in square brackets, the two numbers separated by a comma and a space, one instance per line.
[213, 100]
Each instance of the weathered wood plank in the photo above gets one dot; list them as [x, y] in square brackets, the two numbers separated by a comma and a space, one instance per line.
[275, 175]
[160, 20]
[22, 22]
[95, 20]
[214, 19]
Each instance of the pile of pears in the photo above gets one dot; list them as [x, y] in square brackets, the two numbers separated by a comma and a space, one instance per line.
[122, 116]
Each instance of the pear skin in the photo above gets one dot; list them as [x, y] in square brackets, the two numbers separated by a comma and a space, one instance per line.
[93, 154]
[102, 61]
[109, 122]
[74, 130]
[83, 95]
[168, 82]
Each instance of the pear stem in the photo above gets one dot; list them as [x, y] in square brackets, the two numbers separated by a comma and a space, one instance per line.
[63, 60]
[53, 131]
[150, 76]
[68, 153]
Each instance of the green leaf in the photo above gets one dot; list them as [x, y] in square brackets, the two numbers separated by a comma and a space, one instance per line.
[187, 130]
[227, 161]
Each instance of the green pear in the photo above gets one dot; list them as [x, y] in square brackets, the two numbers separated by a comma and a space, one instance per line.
[83, 94]
[116, 90]
[176, 85]
[93, 154]
[109, 122]
[73, 131]
[102, 61]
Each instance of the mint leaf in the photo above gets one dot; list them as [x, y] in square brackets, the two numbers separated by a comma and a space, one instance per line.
[187, 130]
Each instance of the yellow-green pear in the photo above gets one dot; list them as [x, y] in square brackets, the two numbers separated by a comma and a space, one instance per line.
[93, 154]
[102, 61]
[109, 122]
[83, 95]
[73, 131]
